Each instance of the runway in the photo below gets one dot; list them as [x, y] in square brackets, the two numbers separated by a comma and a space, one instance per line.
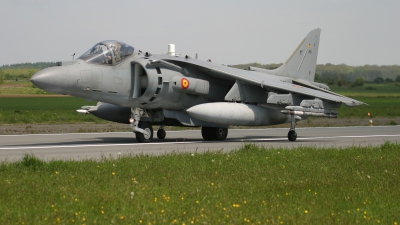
[80, 146]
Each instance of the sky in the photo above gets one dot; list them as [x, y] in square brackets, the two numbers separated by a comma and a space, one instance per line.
[353, 32]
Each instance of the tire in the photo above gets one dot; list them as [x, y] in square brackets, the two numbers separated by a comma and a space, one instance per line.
[220, 133]
[206, 132]
[161, 134]
[214, 133]
[292, 135]
[142, 138]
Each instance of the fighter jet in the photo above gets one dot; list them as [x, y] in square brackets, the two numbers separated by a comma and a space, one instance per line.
[144, 89]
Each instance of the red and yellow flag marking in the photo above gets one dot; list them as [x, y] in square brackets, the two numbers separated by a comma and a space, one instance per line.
[185, 83]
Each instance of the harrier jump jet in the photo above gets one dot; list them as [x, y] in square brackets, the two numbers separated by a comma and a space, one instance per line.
[144, 89]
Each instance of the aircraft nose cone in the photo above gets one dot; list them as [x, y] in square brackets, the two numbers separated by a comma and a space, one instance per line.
[50, 79]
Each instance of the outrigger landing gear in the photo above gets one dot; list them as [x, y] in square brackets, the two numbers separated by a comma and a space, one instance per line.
[161, 133]
[214, 133]
[142, 130]
[292, 135]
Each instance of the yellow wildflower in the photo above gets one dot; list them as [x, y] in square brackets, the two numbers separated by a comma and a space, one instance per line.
[306, 211]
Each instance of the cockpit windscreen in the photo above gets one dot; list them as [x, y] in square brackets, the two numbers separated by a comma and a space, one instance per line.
[108, 53]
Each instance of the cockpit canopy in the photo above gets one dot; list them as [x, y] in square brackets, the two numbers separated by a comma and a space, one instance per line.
[107, 52]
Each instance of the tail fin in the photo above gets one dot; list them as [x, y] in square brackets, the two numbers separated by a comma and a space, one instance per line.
[303, 61]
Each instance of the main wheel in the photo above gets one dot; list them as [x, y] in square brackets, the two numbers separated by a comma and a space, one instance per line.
[161, 134]
[207, 134]
[220, 133]
[144, 138]
[292, 135]
[214, 133]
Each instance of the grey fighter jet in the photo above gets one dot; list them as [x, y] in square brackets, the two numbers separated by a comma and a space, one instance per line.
[142, 89]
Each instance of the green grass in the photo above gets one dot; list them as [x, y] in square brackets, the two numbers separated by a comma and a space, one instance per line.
[378, 107]
[356, 185]
[50, 110]
[382, 90]
[24, 87]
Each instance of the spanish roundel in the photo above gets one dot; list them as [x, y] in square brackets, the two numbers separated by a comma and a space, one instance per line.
[185, 83]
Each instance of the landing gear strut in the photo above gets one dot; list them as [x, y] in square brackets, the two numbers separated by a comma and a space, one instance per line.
[143, 130]
[161, 133]
[292, 135]
[214, 133]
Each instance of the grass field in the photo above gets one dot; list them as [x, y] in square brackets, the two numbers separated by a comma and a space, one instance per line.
[370, 90]
[54, 110]
[356, 185]
[378, 107]
[11, 87]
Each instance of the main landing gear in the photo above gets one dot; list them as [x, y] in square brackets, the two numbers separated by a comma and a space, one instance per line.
[214, 133]
[292, 135]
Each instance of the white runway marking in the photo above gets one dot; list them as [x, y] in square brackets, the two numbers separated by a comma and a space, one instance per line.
[183, 142]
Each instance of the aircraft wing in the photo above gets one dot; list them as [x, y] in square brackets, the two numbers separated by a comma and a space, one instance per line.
[269, 82]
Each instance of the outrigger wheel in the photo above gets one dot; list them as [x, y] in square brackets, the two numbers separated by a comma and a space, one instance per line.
[144, 138]
[292, 135]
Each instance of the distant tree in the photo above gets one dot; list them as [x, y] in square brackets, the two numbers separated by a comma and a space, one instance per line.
[331, 82]
[388, 80]
[317, 78]
[358, 82]
[1, 77]
[398, 78]
[378, 80]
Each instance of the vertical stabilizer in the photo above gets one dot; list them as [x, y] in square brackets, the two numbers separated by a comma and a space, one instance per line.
[303, 61]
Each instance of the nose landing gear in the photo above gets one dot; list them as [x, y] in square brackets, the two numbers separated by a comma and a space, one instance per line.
[161, 133]
[142, 130]
[144, 137]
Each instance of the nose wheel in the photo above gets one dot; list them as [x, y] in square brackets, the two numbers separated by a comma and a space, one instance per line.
[144, 138]
[161, 133]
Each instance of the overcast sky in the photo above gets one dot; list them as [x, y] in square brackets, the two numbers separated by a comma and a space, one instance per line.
[354, 32]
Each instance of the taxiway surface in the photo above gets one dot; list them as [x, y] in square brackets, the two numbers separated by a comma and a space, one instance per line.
[79, 146]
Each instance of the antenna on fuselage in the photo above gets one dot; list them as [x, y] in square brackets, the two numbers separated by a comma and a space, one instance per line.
[196, 56]
[73, 56]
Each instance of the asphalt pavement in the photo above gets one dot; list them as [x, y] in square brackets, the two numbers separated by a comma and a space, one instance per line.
[80, 146]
